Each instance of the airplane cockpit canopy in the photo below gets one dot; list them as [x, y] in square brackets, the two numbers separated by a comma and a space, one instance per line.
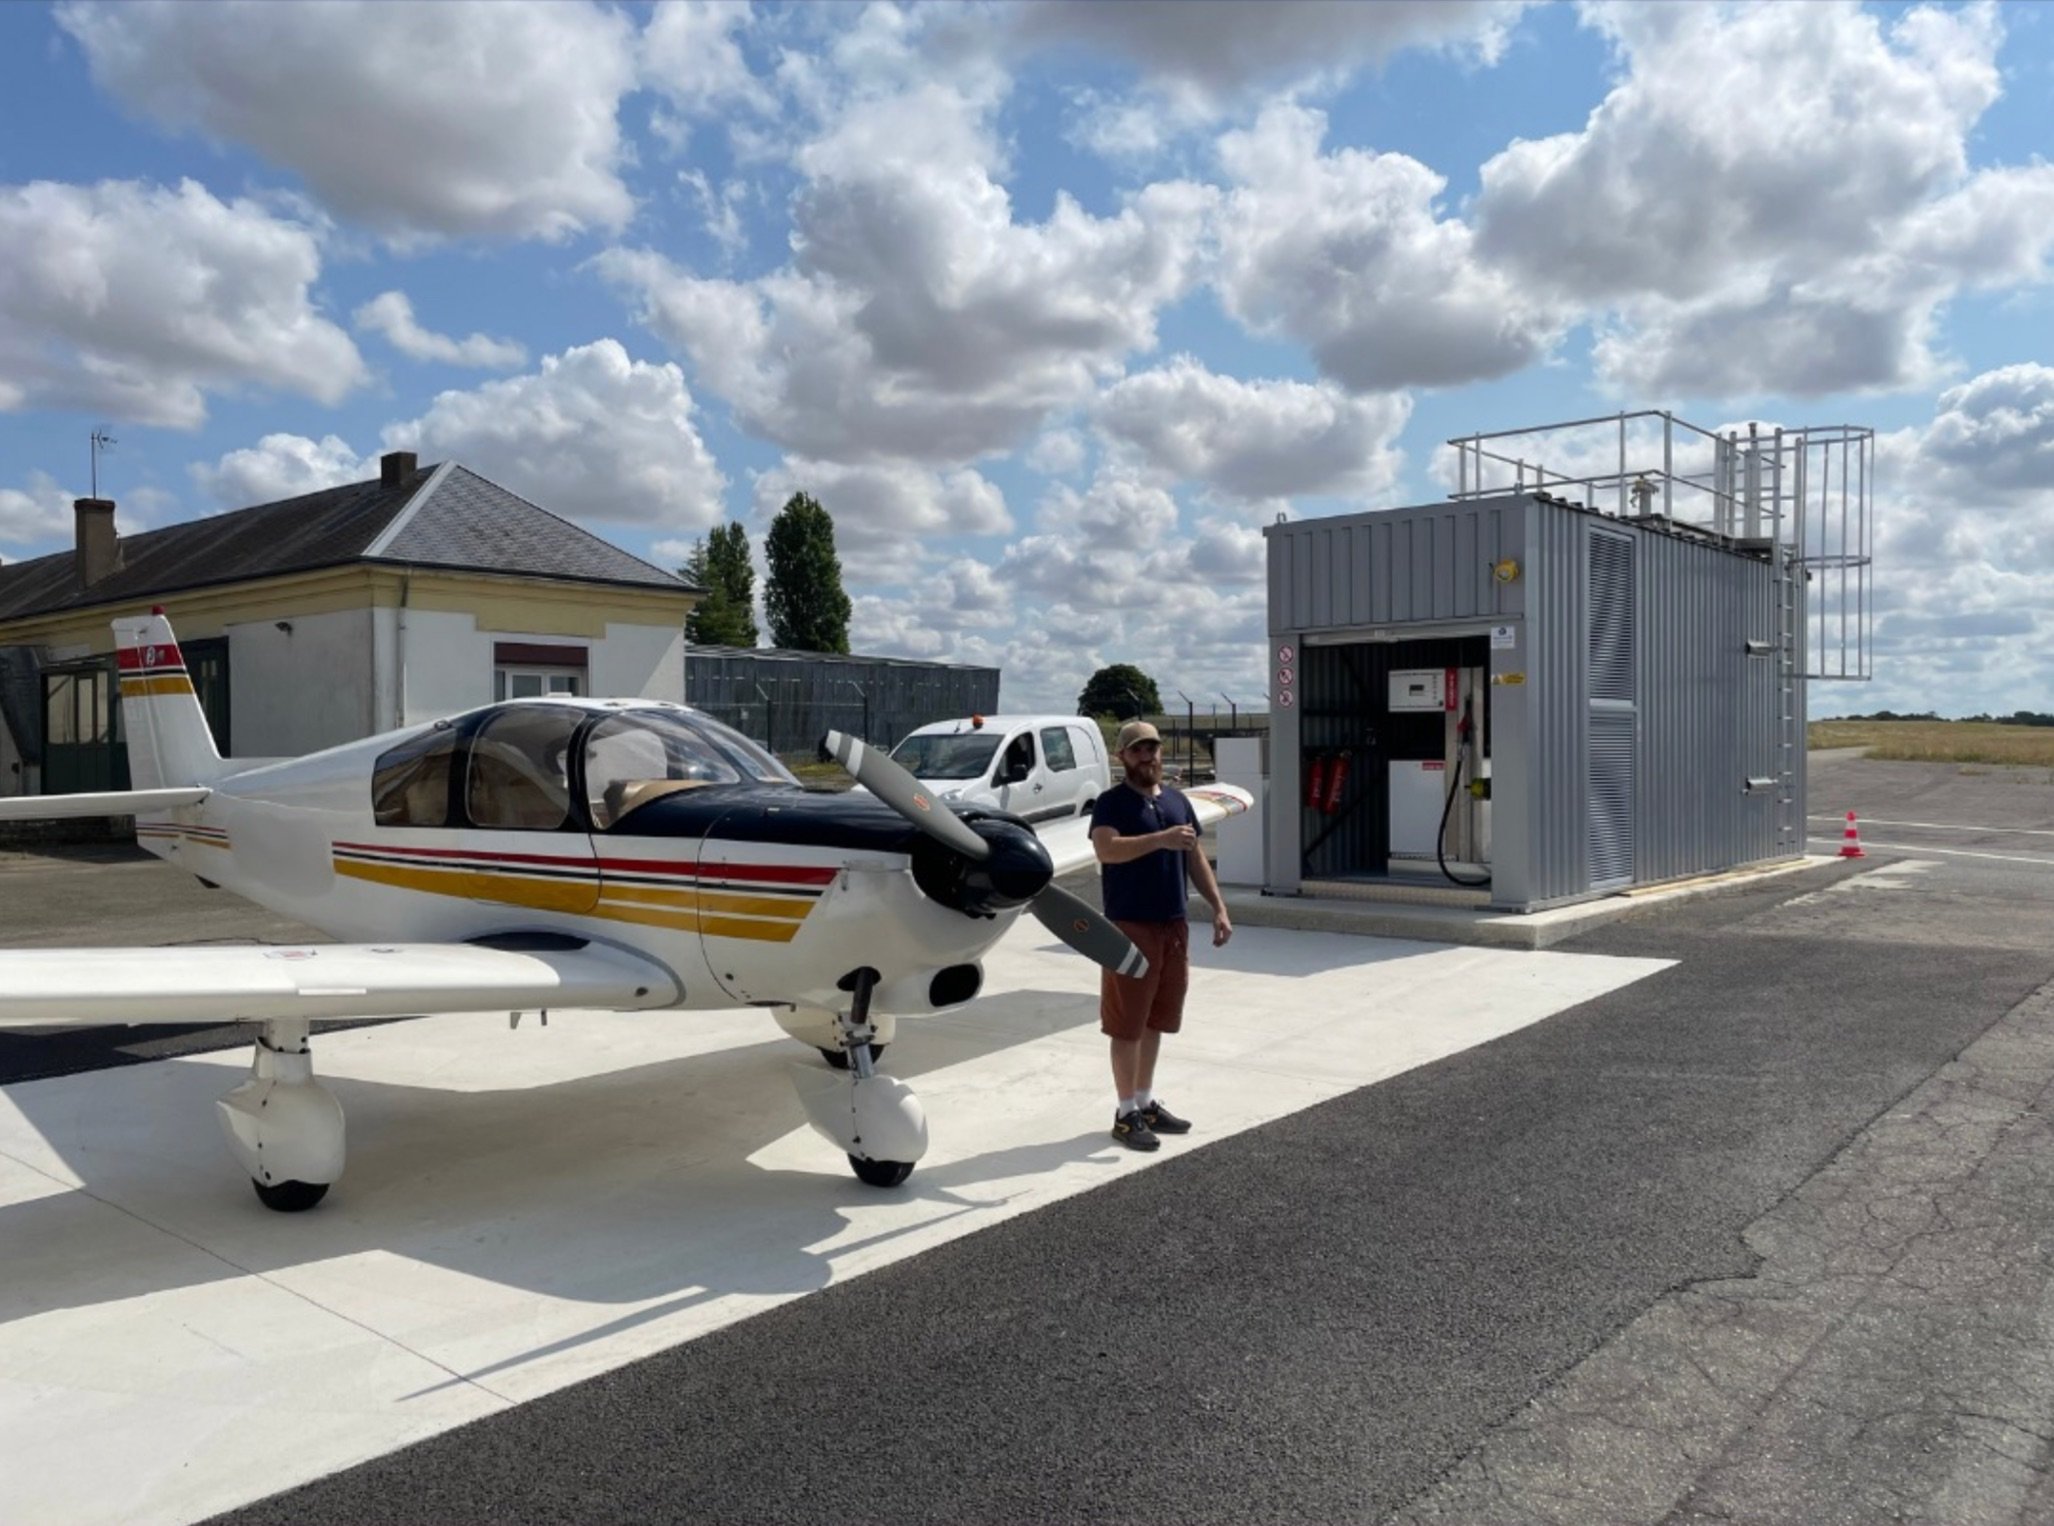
[637, 756]
[520, 766]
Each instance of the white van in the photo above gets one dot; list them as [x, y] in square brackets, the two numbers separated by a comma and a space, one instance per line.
[1038, 767]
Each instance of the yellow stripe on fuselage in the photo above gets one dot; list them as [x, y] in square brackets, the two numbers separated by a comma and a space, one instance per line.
[709, 924]
[144, 688]
[508, 890]
[736, 903]
[716, 914]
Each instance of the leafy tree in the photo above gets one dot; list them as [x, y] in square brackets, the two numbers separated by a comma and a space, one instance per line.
[803, 597]
[726, 616]
[1121, 690]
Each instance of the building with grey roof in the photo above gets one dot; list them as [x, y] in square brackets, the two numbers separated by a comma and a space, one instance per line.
[328, 617]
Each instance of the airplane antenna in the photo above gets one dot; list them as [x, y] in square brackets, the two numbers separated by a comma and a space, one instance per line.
[101, 441]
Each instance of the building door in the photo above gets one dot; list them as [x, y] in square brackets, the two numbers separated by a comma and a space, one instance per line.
[207, 662]
[82, 747]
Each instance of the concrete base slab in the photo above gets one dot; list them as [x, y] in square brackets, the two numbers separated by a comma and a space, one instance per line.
[522, 1210]
[1482, 927]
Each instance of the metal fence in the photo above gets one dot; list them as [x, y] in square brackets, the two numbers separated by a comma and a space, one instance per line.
[788, 700]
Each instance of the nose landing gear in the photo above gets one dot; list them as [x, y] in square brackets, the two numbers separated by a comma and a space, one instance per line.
[872, 1118]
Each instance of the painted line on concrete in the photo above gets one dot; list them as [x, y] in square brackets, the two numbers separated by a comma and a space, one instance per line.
[1942, 826]
[2045, 861]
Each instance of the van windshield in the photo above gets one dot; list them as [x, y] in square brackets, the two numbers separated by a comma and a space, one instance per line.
[964, 755]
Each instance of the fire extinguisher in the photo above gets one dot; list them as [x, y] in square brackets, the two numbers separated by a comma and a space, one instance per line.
[1315, 781]
[1337, 781]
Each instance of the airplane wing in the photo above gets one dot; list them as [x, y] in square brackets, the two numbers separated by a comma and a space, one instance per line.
[90, 987]
[128, 802]
[1069, 840]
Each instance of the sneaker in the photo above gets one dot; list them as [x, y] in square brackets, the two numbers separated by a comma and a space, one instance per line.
[1132, 1130]
[1161, 1120]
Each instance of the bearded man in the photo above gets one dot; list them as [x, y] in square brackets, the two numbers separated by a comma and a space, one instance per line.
[1146, 837]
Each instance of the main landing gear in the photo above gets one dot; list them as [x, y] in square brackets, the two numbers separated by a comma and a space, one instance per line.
[283, 1125]
[873, 1118]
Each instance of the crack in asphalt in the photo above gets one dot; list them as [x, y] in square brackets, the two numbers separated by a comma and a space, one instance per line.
[1900, 1265]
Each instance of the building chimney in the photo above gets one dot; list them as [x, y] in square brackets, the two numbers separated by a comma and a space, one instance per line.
[395, 466]
[98, 552]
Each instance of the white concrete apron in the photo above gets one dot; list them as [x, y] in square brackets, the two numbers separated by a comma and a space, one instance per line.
[523, 1210]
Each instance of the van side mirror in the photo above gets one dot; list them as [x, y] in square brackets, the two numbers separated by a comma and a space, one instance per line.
[1015, 771]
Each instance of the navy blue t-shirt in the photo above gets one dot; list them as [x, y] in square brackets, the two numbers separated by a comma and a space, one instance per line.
[1149, 888]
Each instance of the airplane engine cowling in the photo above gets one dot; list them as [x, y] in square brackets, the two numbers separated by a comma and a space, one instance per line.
[1017, 871]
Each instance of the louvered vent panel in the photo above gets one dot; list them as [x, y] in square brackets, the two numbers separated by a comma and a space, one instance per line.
[1611, 617]
[1611, 797]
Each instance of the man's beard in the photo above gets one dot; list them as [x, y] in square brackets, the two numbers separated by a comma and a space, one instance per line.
[1144, 775]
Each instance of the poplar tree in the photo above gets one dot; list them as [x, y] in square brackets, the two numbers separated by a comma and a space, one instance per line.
[803, 595]
[719, 564]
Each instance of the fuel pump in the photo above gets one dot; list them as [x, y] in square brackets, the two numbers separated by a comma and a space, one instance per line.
[1433, 765]
[1479, 790]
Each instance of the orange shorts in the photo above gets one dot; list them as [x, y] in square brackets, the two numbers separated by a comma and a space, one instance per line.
[1156, 1000]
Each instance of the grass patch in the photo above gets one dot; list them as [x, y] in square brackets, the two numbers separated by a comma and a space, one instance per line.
[1941, 741]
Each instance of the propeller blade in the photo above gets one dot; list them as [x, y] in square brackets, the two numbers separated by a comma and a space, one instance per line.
[889, 782]
[1085, 928]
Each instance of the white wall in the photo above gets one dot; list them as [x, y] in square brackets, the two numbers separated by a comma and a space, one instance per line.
[337, 677]
[640, 662]
[448, 663]
[299, 691]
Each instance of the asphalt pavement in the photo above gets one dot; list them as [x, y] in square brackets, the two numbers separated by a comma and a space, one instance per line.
[1386, 1305]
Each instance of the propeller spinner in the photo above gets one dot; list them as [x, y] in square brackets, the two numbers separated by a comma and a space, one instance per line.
[994, 861]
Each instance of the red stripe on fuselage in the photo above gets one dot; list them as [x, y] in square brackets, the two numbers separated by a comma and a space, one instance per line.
[792, 874]
[797, 874]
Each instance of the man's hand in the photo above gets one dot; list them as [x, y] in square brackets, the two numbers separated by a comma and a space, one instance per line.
[1176, 839]
[1222, 929]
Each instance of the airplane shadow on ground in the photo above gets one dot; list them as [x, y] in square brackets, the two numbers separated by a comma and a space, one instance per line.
[633, 1186]
[622, 1187]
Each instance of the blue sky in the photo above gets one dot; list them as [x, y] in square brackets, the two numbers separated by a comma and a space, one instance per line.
[1053, 306]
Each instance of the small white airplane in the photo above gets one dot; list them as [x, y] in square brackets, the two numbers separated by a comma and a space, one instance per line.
[624, 855]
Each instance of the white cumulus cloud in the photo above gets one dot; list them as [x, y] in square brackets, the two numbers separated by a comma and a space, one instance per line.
[1257, 440]
[592, 434]
[38, 512]
[1345, 253]
[887, 515]
[280, 466]
[1774, 199]
[137, 300]
[391, 313]
[919, 319]
[460, 118]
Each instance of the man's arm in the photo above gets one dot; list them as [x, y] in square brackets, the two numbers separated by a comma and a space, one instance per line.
[1112, 848]
[1209, 890]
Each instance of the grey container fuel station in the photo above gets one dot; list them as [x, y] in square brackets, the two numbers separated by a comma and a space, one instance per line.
[1551, 686]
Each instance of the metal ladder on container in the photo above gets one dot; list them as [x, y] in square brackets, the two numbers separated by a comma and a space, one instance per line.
[1790, 737]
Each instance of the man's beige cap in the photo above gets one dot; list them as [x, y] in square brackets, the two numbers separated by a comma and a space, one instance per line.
[1137, 731]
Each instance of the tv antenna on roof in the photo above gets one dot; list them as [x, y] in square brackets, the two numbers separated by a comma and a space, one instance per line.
[101, 441]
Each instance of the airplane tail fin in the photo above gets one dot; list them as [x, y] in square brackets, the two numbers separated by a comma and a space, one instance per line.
[169, 744]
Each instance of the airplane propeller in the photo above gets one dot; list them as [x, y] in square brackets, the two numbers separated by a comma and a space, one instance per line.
[1077, 923]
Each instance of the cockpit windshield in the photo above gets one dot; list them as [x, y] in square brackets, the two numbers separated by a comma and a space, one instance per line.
[641, 755]
[958, 755]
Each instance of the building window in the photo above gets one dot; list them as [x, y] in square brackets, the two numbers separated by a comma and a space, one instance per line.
[531, 669]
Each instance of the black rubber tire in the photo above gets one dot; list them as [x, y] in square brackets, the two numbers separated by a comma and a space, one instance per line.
[289, 1197]
[839, 1058]
[881, 1173]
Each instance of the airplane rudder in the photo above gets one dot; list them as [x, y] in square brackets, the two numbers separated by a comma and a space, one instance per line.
[169, 742]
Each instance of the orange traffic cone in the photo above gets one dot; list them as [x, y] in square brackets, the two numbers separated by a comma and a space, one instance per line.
[1850, 840]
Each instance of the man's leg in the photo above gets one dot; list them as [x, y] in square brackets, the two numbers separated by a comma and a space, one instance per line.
[1143, 1060]
[1127, 1064]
